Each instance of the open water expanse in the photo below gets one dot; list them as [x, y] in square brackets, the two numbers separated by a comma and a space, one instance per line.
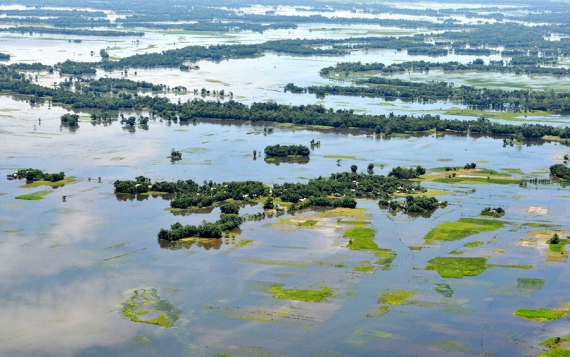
[72, 263]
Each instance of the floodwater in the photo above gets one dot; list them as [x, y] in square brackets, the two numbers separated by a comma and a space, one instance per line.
[70, 262]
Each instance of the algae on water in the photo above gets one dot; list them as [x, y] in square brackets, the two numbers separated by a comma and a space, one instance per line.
[147, 307]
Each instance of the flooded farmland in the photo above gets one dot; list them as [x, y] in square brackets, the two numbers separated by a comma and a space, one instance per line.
[83, 273]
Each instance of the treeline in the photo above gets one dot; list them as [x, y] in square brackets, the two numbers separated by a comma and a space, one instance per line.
[205, 230]
[65, 31]
[338, 190]
[519, 100]
[453, 66]
[32, 175]
[287, 150]
[269, 112]
[4, 57]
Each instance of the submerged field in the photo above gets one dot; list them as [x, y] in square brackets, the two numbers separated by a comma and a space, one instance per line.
[83, 273]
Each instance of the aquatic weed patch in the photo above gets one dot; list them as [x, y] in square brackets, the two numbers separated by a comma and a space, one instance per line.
[473, 244]
[450, 231]
[396, 297]
[541, 314]
[279, 292]
[147, 307]
[452, 267]
[34, 196]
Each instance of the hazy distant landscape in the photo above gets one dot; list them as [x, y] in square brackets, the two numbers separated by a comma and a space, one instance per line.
[284, 178]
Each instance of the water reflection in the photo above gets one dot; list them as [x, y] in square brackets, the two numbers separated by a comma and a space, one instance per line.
[205, 243]
[303, 160]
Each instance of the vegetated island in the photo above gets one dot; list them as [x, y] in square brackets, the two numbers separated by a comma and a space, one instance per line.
[338, 190]
[287, 150]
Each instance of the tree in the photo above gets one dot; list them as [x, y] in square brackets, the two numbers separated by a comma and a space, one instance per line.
[370, 166]
[230, 208]
[353, 168]
[268, 203]
[554, 240]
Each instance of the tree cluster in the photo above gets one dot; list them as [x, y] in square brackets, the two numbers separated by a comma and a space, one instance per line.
[286, 150]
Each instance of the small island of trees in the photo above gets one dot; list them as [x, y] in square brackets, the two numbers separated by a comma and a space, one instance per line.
[32, 175]
[493, 212]
[287, 150]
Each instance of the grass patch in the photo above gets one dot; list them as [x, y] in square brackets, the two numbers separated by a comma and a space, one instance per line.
[558, 248]
[554, 341]
[308, 223]
[300, 294]
[361, 239]
[512, 116]
[34, 196]
[473, 180]
[512, 266]
[414, 247]
[386, 257]
[450, 231]
[377, 312]
[540, 314]
[397, 297]
[244, 242]
[473, 244]
[48, 183]
[513, 171]
[364, 267]
[457, 267]
[353, 223]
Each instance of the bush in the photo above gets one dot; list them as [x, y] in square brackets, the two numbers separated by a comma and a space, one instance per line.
[230, 208]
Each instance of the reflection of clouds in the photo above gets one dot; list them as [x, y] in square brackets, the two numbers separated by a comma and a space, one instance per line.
[64, 318]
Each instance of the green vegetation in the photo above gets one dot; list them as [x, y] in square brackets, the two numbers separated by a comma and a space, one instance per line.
[34, 196]
[449, 231]
[175, 155]
[229, 208]
[493, 212]
[541, 314]
[554, 341]
[32, 175]
[147, 307]
[244, 242]
[443, 289]
[530, 283]
[308, 223]
[560, 171]
[473, 244]
[386, 257]
[364, 267]
[361, 239]
[206, 230]
[377, 312]
[300, 294]
[414, 204]
[286, 150]
[451, 267]
[339, 157]
[397, 297]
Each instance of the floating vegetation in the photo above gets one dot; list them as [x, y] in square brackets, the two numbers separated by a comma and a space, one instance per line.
[451, 267]
[530, 283]
[413, 247]
[397, 297]
[443, 289]
[364, 267]
[449, 231]
[473, 244]
[300, 294]
[34, 196]
[386, 257]
[363, 336]
[540, 314]
[377, 312]
[147, 307]
[244, 242]
[353, 223]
